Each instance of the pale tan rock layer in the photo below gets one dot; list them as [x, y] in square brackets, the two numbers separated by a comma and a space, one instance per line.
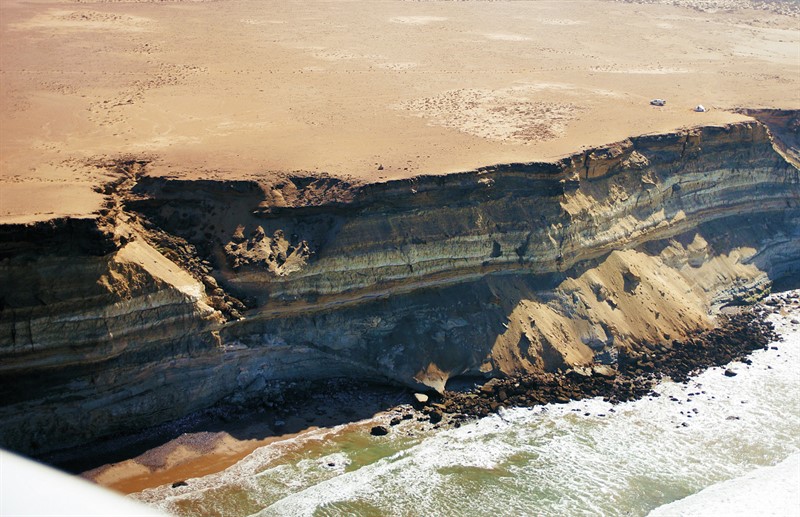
[130, 319]
[332, 238]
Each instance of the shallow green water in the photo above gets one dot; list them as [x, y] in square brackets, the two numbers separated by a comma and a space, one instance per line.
[550, 461]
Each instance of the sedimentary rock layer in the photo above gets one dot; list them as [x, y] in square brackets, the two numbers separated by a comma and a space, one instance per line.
[185, 293]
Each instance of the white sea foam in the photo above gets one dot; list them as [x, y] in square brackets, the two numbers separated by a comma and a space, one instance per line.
[768, 491]
[242, 476]
[554, 460]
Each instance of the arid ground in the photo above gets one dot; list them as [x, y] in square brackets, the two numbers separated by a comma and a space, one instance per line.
[371, 90]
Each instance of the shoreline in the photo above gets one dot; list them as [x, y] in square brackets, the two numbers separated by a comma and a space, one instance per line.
[212, 440]
[631, 457]
[635, 374]
[195, 453]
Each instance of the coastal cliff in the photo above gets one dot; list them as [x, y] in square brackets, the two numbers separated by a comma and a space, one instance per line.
[185, 293]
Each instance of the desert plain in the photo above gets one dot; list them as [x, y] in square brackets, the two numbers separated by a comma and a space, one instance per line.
[367, 90]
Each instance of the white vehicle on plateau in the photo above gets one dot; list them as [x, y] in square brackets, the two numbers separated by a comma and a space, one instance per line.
[700, 108]
[658, 102]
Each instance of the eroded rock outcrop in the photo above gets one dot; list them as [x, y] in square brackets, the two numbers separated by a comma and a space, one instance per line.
[185, 294]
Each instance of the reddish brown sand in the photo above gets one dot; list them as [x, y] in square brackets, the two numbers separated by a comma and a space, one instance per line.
[205, 449]
[178, 462]
[244, 88]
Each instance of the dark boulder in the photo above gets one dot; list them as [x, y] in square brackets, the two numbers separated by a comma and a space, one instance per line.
[379, 430]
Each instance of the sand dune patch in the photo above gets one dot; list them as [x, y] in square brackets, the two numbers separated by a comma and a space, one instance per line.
[341, 55]
[562, 22]
[85, 21]
[253, 21]
[14, 102]
[417, 20]
[786, 8]
[500, 36]
[507, 115]
[165, 140]
[110, 110]
[565, 89]
[644, 70]
[397, 66]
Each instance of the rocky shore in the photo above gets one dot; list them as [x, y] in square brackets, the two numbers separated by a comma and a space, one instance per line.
[633, 376]
[215, 438]
[736, 423]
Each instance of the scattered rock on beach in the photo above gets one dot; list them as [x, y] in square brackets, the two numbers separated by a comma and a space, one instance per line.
[178, 484]
[379, 430]
[633, 376]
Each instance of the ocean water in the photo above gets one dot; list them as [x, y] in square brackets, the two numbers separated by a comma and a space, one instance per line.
[581, 458]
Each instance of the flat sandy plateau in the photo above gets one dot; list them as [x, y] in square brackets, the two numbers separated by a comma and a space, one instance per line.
[371, 90]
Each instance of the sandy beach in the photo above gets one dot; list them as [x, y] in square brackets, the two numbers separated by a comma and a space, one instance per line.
[211, 446]
[206, 455]
[694, 415]
[216, 441]
[369, 90]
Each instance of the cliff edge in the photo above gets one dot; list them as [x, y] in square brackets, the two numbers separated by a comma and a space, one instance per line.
[180, 293]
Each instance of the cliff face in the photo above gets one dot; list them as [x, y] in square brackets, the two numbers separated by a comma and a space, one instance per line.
[306, 237]
[137, 318]
[86, 321]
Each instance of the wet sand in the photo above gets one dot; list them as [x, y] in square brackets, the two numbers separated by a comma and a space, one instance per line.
[210, 443]
[217, 454]
[198, 453]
